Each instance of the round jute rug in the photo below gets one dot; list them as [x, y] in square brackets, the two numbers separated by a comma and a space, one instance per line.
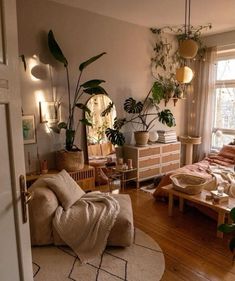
[142, 261]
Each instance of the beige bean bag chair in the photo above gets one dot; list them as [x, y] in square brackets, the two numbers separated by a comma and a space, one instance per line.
[43, 207]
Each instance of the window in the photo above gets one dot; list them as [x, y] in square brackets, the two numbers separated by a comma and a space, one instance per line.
[223, 130]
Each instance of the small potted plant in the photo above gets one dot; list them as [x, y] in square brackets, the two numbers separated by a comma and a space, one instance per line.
[145, 114]
[71, 158]
[230, 228]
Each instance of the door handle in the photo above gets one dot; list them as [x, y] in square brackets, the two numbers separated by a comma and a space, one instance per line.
[25, 197]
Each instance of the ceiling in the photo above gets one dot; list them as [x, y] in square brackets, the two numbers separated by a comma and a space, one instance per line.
[158, 13]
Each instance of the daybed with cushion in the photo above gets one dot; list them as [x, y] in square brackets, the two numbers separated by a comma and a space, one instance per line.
[224, 159]
[52, 207]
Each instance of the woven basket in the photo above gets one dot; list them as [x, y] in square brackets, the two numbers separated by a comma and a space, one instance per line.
[187, 183]
[71, 161]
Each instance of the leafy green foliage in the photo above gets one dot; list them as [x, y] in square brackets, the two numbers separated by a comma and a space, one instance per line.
[119, 123]
[55, 49]
[157, 92]
[132, 106]
[115, 137]
[91, 87]
[229, 228]
[95, 90]
[166, 117]
[83, 107]
[89, 61]
[107, 109]
[92, 83]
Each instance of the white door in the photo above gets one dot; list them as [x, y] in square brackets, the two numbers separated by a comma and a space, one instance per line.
[15, 249]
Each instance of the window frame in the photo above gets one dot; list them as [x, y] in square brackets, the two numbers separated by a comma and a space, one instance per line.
[221, 55]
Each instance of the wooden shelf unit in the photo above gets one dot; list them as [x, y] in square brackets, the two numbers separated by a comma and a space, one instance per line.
[153, 160]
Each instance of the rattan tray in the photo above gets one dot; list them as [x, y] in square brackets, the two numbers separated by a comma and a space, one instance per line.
[187, 183]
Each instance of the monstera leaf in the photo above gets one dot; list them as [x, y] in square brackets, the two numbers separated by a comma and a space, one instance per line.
[132, 106]
[115, 137]
[166, 117]
[118, 123]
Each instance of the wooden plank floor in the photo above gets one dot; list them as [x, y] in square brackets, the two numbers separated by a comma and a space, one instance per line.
[189, 243]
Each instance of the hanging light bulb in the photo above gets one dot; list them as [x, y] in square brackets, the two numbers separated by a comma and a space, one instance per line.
[184, 74]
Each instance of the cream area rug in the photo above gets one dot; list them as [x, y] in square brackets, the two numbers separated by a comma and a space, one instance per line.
[142, 261]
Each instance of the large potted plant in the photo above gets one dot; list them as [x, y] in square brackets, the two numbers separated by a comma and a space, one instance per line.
[71, 158]
[142, 113]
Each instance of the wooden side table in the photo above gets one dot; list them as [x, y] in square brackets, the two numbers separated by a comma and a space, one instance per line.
[126, 175]
[84, 177]
[222, 209]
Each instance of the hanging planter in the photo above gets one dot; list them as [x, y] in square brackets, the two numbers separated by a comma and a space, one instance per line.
[184, 74]
[188, 48]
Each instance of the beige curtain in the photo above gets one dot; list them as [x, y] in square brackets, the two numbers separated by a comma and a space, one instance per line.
[199, 102]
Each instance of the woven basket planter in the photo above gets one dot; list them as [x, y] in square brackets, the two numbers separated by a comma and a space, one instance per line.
[188, 48]
[141, 138]
[71, 161]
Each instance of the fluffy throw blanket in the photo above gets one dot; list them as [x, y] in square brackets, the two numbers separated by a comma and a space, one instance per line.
[86, 225]
[225, 177]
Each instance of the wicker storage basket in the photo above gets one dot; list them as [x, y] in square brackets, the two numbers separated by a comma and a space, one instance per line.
[71, 161]
[187, 183]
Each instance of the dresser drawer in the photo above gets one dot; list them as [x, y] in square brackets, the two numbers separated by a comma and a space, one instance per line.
[151, 161]
[171, 147]
[151, 172]
[149, 151]
[170, 157]
[170, 167]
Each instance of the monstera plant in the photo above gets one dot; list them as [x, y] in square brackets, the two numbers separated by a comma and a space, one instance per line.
[91, 87]
[141, 113]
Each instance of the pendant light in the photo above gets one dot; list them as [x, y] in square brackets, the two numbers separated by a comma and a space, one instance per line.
[188, 47]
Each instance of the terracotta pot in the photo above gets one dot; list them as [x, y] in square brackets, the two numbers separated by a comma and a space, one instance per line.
[141, 138]
[188, 48]
[71, 161]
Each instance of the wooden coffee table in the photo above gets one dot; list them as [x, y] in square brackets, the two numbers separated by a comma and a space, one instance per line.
[222, 209]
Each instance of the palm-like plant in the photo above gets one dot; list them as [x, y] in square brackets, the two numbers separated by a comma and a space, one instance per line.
[230, 228]
[144, 113]
[89, 87]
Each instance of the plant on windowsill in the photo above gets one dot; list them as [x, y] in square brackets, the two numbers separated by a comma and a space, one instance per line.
[145, 114]
[91, 87]
[230, 228]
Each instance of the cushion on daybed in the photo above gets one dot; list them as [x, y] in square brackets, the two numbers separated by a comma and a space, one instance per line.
[64, 186]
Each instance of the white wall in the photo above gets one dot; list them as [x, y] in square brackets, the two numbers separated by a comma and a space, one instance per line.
[81, 34]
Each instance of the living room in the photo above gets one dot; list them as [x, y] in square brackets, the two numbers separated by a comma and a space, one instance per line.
[187, 242]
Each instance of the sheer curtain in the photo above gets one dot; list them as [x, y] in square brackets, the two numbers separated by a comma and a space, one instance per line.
[199, 102]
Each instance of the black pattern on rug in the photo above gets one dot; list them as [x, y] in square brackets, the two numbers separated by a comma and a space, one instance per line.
[100, 267]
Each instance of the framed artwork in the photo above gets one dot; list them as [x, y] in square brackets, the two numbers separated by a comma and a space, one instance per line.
[49, 112]
[28, 127]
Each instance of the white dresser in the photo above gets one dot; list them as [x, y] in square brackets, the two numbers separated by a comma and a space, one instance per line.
[153, 160]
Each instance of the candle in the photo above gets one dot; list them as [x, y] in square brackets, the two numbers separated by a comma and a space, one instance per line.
[220, 190]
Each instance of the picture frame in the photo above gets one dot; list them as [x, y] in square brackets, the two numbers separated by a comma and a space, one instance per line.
[49, 112]
[28, 128]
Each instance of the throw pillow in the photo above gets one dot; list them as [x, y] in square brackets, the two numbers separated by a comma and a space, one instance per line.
[63, 185]
[228, 151]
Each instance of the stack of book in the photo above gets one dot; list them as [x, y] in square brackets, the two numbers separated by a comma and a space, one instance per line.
[166, 136]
